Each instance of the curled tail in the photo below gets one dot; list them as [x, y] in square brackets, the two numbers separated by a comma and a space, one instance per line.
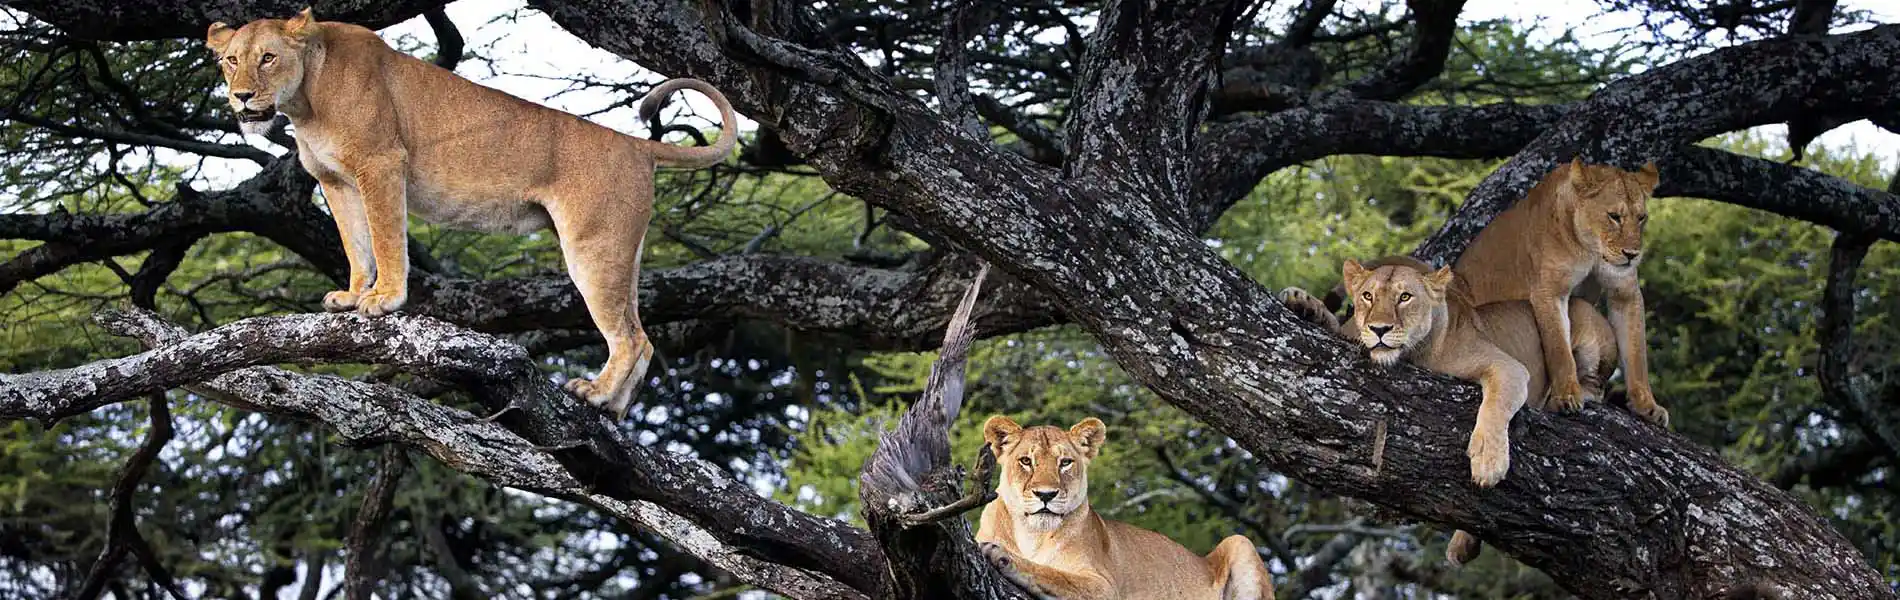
[691, 157]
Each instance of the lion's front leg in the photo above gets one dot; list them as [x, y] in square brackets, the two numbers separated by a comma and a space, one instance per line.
[379, 180]
[346, 208]
[1551, 310]
[1044, 582]
[1506, 387]
[1305, 306]
[1626, 318]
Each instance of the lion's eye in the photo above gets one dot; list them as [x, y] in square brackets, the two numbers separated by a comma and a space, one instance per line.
[1024, 460]
[231, 59]
[1066, 462]
[1366, 295]
[1616, 217]
[1642, 219]
[268, 58]
[1404, 296]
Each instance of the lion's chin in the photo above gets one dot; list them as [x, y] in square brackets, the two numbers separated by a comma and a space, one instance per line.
[1042, 521]
[256, 121]
[1387, 356]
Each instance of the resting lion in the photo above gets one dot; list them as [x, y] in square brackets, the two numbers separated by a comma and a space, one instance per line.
[1403, 309]
[1040, 532]
[1583, 224]
[386, 134]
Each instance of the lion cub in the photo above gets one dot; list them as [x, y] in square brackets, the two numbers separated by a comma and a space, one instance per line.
[1581, 224]
[386, 134]
[1040, 532]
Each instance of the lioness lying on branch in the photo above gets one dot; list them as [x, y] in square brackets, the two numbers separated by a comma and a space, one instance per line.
[1041, 533]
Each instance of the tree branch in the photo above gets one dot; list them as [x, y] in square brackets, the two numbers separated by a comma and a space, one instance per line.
[122, 530]
[607, 471]
[1644, 117]
[448, 39]
[1434, 26]
[363, 567]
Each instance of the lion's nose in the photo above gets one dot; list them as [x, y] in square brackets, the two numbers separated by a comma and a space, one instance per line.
[243, 96]
[1632, 254]
[1379, 330]
[1046, 497]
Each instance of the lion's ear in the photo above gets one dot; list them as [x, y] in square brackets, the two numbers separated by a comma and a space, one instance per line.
[1439, 280]
[1353, 274]
[997, 430]
[218, 35]
[1650, 176]
[299, 26]
[1089, 434]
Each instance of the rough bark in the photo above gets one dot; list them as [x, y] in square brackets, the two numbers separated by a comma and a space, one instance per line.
[1607, 506]
[503, 449]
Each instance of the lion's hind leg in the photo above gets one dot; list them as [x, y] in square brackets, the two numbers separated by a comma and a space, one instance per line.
[1238, 571]
[601, 241]
[1593, 344]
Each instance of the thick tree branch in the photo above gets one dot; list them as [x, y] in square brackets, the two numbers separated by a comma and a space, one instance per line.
[1835, 338]
[1142, 93]
[952, 74]
[1644, 117]
[448, 39]
[732, 533]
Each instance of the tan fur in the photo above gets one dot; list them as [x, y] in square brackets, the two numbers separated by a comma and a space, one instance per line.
[1053, 545]
[1434, 324]
[386, 134]
[1583, 224]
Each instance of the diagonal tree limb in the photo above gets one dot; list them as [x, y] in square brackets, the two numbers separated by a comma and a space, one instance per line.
[122, 533]
[448, 39]
[371, 414]
[364, 544]
[1644, 117]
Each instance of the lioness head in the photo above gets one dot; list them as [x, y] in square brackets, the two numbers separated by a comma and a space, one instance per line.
[1395, 307]
[1612, 208]
[262, 63]
[1045, 469]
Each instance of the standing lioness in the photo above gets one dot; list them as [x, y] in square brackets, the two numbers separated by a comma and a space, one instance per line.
[386, 134]
[1583, 224]
[1041, 533]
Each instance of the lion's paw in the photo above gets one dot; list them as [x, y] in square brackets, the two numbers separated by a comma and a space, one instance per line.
[1490, 454]
[1305, 306]
[1645, 406]
[340, 301]
[377, 303]
[1566, 396]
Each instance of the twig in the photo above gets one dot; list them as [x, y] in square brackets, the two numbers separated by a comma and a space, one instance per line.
[363, 565]
[122, 533]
